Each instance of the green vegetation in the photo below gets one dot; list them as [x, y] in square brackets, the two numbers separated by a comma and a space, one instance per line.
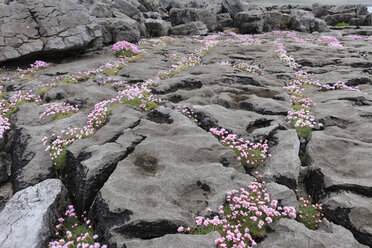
[26, 77]
[42, 91]
[60, 161]
[309, 214]
[62, 115]
[342, 24]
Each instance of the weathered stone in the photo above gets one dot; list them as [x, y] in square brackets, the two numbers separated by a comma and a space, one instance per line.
[284, 164]
[337, 171]
[257, 21]
[29, 217]
[31, 164]
[351, 211]
[118, 29]
[224, 19]
[290, 233]
[45, 28]
[92, 160]
[153, 181]
[157, 27]
[100, 10]
[189, 15]
[192, 28]
[233, 7]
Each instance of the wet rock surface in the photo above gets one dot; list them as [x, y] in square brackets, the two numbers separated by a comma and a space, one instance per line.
[143, 174]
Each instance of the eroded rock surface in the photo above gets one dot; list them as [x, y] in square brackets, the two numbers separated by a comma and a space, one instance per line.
[29, 216]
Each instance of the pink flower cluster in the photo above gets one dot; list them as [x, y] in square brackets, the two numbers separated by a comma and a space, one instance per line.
[310, 214]
[301, 116]
[97, 118]
[245, 217]
[248, 68]
[4, 108]
[283, 56]
[248, 153]
[225, 63]
[38, 64]
[338, 86]
[11, 105]
[66, 230]
[121, 46]
[191, 61]
[189, 113]
[330, 41]
[59, 108]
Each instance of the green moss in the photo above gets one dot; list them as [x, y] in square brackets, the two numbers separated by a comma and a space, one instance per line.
[303, 159]
[309, 215]
[111, 71]
[62, 115]
[124, 53]
[14, 109]
[26, 77]
[42, 91]
[342, 24]
[304, 132]
[60, 161]
[136, 57]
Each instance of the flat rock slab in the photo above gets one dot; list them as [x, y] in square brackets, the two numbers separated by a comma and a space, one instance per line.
[29, 216]
[284, 165]
[170, 177]
[351, 211]
[337, 163]
[290, 233]
[177, 241]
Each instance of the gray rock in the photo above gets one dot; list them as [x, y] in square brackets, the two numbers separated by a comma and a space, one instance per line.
[232, 7]
[100, 10]
[352, 14]
[257, 21]
[351, 211]
[192, 28]
[284, 195]
[153, 181]
[44, 27]
[290, 233]
[333, 161]
[284, 154]
[127, 7]
[177, 241]
[3, 168]
[224, 19]
[31, 164]
[121, 28]
[92, 160]
[29, 216]
[157, 27]
[265, 106]
[189, 15]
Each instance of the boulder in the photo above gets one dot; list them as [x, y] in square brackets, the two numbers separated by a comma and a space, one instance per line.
[290, 233]
[100, 10]
[191, 28]
[157, 27]
[46, 27]
[224, 19]
[30, 215]
[187, 15]
[351, 211]
[118, 29]
[351, 14]
[232, 7]
[285, 154]
[337, 171]
[257, 21]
